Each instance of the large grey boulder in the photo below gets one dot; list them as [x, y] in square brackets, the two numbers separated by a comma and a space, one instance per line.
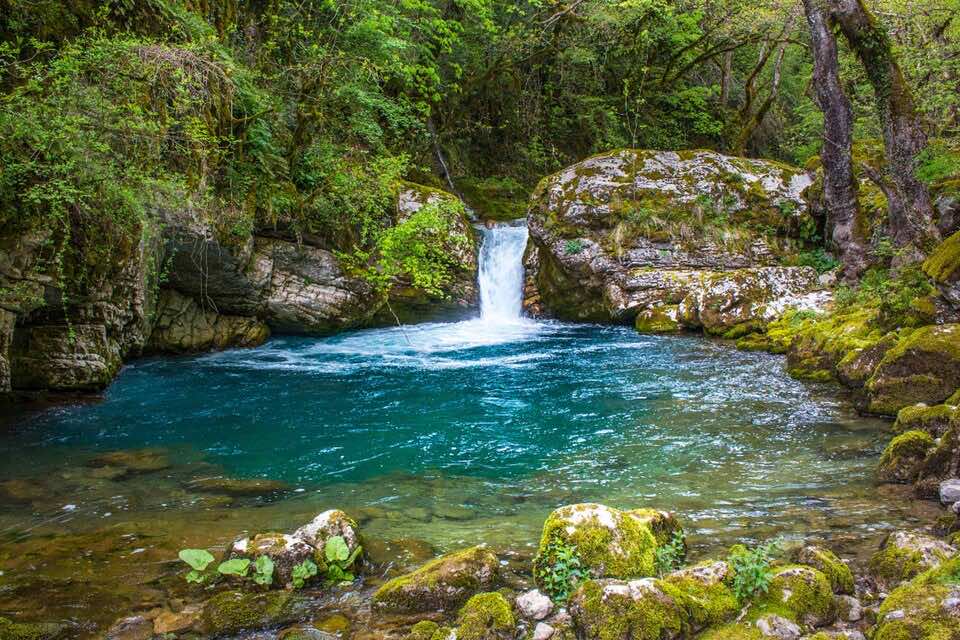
[668, 236]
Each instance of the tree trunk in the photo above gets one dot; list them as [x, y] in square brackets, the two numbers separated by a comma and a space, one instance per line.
[911, 214]
[844, 217]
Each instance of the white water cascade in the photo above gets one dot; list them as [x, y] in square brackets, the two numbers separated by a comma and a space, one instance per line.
[501, 274]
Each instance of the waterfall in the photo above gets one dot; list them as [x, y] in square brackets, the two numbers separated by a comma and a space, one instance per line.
[501, 273]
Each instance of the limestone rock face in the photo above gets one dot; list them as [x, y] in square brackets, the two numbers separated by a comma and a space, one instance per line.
[308, 291]
[219, 290]
[442, 584]
[663, 238]
[182, 326]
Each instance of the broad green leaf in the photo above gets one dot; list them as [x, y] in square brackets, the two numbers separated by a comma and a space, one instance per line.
[336, 549]
[235, 567]
[198, 559]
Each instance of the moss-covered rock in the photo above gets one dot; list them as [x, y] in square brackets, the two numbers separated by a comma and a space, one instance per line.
[824, 560]
[905, 555]
[486, 616]
[442, 584]
[428, 630]
[734, 631]
[901, 459]
[609, 542]
[798, 593]
[10, 630]
[231, 612]
[658, 320]
[926, 608]
[943, 266]
[924, 366]
[934, 420]
[646, 609]
[706, 595]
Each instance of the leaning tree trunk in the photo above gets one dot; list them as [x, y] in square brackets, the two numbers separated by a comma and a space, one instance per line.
[911, 217]
[844, 216]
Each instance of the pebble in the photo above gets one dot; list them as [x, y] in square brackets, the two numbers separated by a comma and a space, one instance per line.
[774, 626]
[950, 491]
[542, 631]
[534, 605]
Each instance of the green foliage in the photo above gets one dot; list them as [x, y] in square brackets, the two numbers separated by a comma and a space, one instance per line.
[817, 258]
[237, 567]
[339, 559]
[303, 572]
[752, 570]
[560, 570]
[421, 250]
[572, 247]
[199, 560]
[669, 556]
[263, 571]
[897, 294]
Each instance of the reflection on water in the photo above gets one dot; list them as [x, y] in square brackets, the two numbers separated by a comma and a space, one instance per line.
[433, 435]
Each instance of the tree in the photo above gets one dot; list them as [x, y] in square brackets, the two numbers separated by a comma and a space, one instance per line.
[844, 217]
[911, 211]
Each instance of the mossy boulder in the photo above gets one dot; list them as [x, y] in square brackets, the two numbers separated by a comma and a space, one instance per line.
[935, 420]
[733, 631]
[818, 343]
[901, 459]
[486, 616]
[231, 612]
[707, 596]
[905, 555]
[825, 561]
[442, 584]
[645, 609]
[429, 630]
[609, 542]
[798, 593]
[10, 630]
[633, 232]
[943, 266]
[924, 366]
[925, 608]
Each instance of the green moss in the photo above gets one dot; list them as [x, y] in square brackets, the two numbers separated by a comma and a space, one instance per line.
[423, 630]
[933, 420]
[658, 320]
[627, 549]
[486, 616]
[924, 366]
[608, 612]
[10, 630]
[799, 593]
[901, 457]
[705, 604]
[494, 198]
[943, 262]
[921, 601]
[732, 632]
[231, 612]
[825, 561]
[441, 583]
[893, 564]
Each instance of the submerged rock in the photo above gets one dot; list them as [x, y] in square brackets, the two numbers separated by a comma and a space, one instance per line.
[231, 612]
[609, 542]
[905, 555]
[238, 486]
[442, 584]
[133, 460]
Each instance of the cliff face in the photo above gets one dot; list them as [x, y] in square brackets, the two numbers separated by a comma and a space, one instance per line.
[669, 240]
[182, 288]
